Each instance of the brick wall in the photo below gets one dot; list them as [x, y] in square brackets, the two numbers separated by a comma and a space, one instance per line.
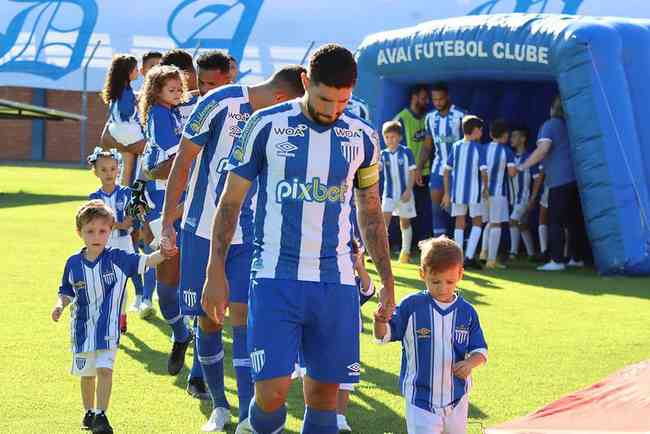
[61, 137]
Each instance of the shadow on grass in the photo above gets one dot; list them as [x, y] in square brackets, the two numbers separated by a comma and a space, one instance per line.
[21, 198]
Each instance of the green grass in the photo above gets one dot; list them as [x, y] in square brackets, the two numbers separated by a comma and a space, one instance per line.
[548, 334]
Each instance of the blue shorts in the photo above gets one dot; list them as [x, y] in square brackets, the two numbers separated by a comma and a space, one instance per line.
[436, 182]
[318, 320]
[195, 251]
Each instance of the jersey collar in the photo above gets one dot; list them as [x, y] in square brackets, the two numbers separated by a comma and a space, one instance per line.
[451, 307]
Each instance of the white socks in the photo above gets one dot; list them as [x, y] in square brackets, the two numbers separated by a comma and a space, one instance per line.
[542, 230]
[528, 242]
[514, 240]
[495, 239]
[486, 240]
[459, 236]
[407, 238]
[474, 238]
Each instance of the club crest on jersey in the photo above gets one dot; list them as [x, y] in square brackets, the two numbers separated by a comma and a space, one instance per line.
[258, 359]
[298, 131]
[423, 332]
[80, 363]
[346, 133]
[109, 277]
[461, 334]
[190, 297]
[313, 191]
[285, 149]
[350, 151]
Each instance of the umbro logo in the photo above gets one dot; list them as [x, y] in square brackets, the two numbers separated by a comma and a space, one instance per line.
[285, 149]
[355, 369]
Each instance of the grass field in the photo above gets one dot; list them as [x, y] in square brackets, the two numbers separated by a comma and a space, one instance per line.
[548, 334]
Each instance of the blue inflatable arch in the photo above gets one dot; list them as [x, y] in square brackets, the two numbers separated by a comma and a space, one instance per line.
[511, 66]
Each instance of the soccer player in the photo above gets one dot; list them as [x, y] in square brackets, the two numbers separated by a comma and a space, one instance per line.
[467, 168]
[523, 200]
[542, 227]
[149, 60]
[94, 281]
[105, 165]
[306, 155]
[442, 343]
[500, 165]
[207, 142]
[443, 128]
[398, 165]
[359, 108]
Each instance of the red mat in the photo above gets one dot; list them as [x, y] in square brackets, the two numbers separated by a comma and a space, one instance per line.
[618, 404]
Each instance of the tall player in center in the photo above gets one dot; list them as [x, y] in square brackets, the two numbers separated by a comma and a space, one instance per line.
[216, 122]
[306, 155]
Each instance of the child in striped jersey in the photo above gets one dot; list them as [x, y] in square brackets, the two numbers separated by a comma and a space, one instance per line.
[123, 123]
[442, 342]
[397, 164]
[93, 282]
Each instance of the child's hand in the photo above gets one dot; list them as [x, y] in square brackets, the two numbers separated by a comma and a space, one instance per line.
[485, 193]
[381, 316]
[56, 313]
[462, 369]
[446, 201]
[169, 252]
[406, 196]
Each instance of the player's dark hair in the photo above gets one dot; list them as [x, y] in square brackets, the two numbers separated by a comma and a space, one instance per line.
[440, 86]
[440, 254]
[91, 210]
[415, 90]
[178, 58]
[117, 78]
[214, 59]
[151, 55]
[334, 66]
[523, 129]
[288, 79]
[391, 127]
[231, 58]
[470, 123]
[498, 128]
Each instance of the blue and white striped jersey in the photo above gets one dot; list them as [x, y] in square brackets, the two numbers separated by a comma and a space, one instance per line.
[466, 161]
[433, 339]
[117, 201]
[216, 122]
[305, 173]
[395, 167]
[97, 292]
[499, 157]
[444, 132]
[186, 108]
[520, 185]
[358, 107]
[163, 135]
[125, 108]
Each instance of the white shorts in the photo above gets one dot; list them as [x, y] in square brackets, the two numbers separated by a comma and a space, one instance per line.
[495, 210]
[475, 209]
[519, 212]
[156, 230]
[86, 364]
[543, 200]
[125, 133]
[122, 242]
[420, 421]
[404, 210]
[300, 372]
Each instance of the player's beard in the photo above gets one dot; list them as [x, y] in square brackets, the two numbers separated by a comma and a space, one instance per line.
[317, 117]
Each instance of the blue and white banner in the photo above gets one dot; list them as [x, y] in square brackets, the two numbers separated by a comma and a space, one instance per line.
[46, 43]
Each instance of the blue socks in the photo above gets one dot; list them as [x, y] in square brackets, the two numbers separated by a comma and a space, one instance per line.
[149, 277]
[242, 363]
[137, 284]
[171, 311]
[439, 219]
[196, 371]
[319, 422]
[210, 349]
[269, 423]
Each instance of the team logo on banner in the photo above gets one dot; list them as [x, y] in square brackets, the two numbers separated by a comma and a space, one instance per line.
[350, 151]
[257, 360]
[461, 334]
[80, 363]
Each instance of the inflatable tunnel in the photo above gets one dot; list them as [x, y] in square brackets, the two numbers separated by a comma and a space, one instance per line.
[511, 66]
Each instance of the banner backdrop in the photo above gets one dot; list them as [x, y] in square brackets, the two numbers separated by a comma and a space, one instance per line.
[46, 43]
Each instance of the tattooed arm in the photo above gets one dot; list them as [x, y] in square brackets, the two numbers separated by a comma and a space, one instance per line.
[215, 291]
[375, 237]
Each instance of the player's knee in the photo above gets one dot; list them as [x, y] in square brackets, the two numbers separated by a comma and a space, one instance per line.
[405, 223]
[271, 394]
[104, 373]
[495, 225]
[321, 396]
[208, 325]
[238, 314]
